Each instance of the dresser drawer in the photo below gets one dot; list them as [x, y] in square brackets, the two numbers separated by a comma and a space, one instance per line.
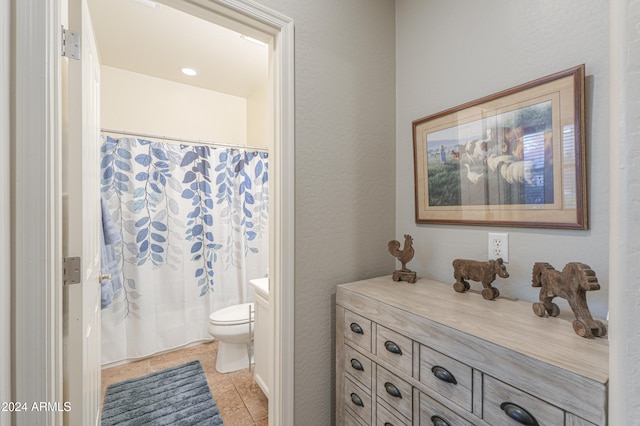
[446, 376]
[385, 417]
[357, 400]
[573, 420]
[350, 420]
[500, 398]
[357, 330]
[394, 391]
[395, 349]
[434, 413]
[357, 366]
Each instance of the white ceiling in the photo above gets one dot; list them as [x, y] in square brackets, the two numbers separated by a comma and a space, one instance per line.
[160, 41]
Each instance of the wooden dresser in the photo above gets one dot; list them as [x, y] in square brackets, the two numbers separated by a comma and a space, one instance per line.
[423, 354]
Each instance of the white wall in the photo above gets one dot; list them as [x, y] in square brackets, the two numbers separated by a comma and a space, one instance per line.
[140, 103]
[449, 55]
[344, 154]
[624, 377]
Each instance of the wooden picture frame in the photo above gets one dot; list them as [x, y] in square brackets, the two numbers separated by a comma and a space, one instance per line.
[514, 158]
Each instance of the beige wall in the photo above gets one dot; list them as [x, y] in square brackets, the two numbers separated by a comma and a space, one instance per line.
[258, 115]
[444, 59]
[140, 103]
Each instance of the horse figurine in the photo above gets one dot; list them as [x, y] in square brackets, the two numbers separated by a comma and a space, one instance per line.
[570, 284]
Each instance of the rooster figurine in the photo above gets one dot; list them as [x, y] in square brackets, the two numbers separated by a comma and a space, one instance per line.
[404, 256]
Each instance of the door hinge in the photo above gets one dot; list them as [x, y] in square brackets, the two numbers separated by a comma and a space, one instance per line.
[70, 44]
[72, 267]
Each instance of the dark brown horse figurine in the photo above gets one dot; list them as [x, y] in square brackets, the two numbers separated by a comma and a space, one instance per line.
[571, 284]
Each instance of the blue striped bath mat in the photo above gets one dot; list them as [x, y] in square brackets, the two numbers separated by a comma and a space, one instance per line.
[175, 396]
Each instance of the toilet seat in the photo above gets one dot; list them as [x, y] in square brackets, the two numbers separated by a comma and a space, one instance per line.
[233, 315]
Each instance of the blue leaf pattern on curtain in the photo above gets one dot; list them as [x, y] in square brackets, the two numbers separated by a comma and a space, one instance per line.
[138, 175]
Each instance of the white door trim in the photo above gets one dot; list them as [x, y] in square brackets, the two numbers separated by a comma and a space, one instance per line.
[5, 201]
[36, 242]
[37, 236]
[283, 243]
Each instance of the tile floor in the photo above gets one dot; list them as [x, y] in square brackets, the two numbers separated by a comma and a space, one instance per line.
[239, 399]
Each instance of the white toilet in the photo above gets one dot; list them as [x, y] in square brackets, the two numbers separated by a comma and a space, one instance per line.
[233, 327]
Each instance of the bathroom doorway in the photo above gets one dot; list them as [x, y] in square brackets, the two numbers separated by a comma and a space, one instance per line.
[37, 128]
[267, 105]
[183, 101]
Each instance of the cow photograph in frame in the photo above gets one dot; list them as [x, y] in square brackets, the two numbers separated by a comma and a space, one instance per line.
[514, 158]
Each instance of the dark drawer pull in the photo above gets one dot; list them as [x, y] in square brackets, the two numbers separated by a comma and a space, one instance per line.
[392, 390]
[392, 347]
[443, 374]
[518, 414]
[388, 424]
[356, 328]
[356, 364]
[356, 400]
[439, 421]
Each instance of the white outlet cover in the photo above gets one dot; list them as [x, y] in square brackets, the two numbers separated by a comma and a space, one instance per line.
[498, 246]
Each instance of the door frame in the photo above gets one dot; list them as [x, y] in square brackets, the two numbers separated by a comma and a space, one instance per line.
[36, 202]
[5, 200]
[37, 242]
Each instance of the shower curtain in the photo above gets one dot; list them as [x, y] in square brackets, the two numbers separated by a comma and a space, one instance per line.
[194, 226]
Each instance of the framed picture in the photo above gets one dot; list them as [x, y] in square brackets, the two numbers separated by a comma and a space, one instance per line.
[515, 158]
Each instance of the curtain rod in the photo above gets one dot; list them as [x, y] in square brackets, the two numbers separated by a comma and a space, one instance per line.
[188, 141]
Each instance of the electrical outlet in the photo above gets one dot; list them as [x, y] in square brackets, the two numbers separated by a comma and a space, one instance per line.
[499, 246]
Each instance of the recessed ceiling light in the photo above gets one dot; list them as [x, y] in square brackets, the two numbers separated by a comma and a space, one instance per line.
[189, 71]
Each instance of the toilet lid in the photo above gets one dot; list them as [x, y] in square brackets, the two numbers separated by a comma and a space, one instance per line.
[232, 315]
